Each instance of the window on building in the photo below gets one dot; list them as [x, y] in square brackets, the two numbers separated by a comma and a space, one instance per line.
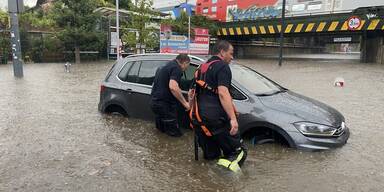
[214, 1]
[214, 9]
[205, 10]
[298, 7]
[315, 5]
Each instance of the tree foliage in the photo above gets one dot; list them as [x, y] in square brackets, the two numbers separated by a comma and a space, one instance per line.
[3, 20]
[37, 19]
[139, 28]
[123, 4]
[180, 25]
[4, 36]
[77, 22]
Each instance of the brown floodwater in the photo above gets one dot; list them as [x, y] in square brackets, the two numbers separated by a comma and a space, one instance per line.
[52, 137]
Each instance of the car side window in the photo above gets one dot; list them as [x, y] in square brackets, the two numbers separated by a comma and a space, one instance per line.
[124, 72]
[236, 94]
[133, 73]
[187, 77]
[148, 70]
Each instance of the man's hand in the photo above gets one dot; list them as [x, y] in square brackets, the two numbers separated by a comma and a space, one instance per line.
[187, 106]
[191, 94]
[234, 127]
[176, 91]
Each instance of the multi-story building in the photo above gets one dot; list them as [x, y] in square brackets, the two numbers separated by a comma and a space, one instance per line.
[167, 6]
[229, 10]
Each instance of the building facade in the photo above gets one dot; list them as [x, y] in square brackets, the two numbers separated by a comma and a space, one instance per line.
[161, 4]
[233, 10]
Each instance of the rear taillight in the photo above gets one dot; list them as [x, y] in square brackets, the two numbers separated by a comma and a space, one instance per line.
[102, 88]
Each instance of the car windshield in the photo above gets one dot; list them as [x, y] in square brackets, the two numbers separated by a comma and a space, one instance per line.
[253, 81]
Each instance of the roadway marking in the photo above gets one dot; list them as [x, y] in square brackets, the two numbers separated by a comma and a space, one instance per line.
[333, 26]
[373, 24]
[299, 28]
[246, 31]
[310, 27]
[254, 31]
[262, 29]
[321, 27]
[289, 28]
[271, 29]
[231, 32]
[224, 31]
[238, 30]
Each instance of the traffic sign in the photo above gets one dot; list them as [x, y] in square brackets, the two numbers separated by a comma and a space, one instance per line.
[354, 23]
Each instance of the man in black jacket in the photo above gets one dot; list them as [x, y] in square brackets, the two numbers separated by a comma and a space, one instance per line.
[217, 129]
[166, 93]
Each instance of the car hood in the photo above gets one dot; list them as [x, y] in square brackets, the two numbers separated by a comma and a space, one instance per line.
[304, 108]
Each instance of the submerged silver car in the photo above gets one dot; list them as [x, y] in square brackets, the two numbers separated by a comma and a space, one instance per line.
[268, 111]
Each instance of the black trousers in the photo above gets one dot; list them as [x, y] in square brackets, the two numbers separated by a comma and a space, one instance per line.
[221, 142]
[166, 118]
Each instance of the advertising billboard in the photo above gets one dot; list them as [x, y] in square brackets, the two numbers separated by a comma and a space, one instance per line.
[240, 10]
[175, 43]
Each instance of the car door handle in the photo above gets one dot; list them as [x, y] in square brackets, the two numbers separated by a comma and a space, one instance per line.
[129, 91]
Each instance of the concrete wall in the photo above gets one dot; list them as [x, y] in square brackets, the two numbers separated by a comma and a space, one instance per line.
[248, 51]
[372, 49]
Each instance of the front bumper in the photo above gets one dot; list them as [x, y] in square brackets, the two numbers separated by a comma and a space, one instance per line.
[319, 143]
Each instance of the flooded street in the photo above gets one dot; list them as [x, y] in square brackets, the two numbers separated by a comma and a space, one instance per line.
[52, 137]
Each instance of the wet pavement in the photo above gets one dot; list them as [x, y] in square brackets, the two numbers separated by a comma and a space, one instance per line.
[52, 138]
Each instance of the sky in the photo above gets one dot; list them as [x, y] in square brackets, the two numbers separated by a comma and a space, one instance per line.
[29, 3]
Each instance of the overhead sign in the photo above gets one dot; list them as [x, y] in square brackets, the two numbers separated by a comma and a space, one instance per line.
[174, 43]
[354, 23]
[342, 39]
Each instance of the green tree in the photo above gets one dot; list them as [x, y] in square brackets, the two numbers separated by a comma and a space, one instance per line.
[3, 20]
[123, 4]
[180, 25]
[78, 22]
[4, 35]
[140, 28]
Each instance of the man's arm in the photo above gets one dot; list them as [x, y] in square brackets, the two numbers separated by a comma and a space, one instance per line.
[226, 102]
[176, 91]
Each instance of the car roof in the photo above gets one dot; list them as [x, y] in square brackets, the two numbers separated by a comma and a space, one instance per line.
[161, 56]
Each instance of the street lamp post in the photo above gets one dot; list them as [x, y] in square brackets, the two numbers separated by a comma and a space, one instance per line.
[117, 31]
[14, 8]
[282, 33]
[189, 28]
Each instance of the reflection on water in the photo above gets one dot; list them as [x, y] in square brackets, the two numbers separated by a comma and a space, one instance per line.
[53, 138]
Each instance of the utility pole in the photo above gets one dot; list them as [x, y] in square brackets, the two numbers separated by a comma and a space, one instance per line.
[189, 27]
[117, 31]
[282, 33]
[14, 8]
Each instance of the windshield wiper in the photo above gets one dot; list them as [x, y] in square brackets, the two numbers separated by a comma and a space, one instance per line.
[273, 93]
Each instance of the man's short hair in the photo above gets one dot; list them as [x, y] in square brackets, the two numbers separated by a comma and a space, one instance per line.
[221, 45]
[182, 58]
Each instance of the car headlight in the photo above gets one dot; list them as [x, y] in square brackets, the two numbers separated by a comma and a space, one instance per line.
[314, 129]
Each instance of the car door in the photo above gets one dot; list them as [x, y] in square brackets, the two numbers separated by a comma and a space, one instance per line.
[141, 90]
[128, 75]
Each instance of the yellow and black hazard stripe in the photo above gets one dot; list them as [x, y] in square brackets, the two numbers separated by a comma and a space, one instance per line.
[299, 27]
